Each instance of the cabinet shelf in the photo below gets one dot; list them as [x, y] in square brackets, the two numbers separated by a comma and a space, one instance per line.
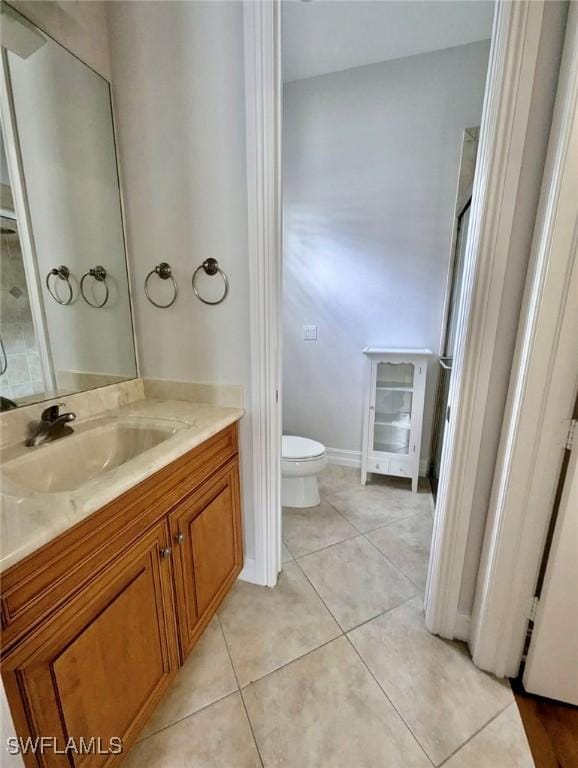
[394, 387]
[390, 420]
[391, 448]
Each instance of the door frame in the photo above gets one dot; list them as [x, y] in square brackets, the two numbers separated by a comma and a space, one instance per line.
[511, 68]
[540, 400]
[263, 95]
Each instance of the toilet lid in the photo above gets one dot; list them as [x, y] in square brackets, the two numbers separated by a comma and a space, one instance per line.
[294, 447]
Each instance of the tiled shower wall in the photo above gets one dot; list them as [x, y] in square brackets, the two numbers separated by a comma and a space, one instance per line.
[23, 375]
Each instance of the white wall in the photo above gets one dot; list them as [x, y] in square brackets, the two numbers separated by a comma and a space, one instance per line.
[178, 88]
[320, 38]
[371, 164]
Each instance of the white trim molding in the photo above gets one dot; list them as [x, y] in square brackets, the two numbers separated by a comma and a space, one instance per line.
[541, 398]
[344, 458]
[263, 117]
[250, 572]
[463, 623]
[511, 70]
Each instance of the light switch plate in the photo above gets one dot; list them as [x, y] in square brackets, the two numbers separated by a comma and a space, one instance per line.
[310, 332]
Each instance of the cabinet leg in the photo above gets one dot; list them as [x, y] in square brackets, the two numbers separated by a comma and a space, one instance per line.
[414, 483]
[363, 476]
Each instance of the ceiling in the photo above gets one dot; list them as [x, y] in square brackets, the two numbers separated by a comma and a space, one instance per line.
[330, 35]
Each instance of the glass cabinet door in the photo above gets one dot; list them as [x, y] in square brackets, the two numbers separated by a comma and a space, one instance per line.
[393, 407]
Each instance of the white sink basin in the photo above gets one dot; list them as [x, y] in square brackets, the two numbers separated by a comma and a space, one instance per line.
[94, 449]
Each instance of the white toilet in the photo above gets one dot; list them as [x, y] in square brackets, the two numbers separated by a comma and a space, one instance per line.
[302, 460]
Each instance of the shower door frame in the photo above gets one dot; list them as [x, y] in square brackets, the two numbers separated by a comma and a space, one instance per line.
[450, 309]
[510, 80]
[12, 149]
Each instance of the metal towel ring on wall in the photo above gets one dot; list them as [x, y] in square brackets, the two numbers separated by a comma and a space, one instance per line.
[99, 274]
[165, 272]
[211, 267]
[63, 273]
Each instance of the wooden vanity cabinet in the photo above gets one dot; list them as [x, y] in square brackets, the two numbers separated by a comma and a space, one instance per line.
[101, 660]
[102, 663]
[206, 531]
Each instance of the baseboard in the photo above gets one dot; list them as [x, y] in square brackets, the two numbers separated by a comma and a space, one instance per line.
[462, 628]
[249, 572]
[344, 458]
[347, 458]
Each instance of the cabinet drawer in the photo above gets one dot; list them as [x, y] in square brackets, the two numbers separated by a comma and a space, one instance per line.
[51, 575]
[400, 467]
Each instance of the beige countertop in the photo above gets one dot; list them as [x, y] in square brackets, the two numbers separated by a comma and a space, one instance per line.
[29, 520]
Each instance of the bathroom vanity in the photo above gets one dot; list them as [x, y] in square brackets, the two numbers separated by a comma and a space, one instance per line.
[97, 620]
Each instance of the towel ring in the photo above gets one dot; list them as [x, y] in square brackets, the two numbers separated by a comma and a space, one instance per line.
[99, 274]
[211, 267]
[63, 273]
[165, 272]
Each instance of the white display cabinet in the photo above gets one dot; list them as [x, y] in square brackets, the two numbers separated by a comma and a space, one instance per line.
[393, 414]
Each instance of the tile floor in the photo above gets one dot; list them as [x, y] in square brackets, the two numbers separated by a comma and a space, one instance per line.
[334, 668]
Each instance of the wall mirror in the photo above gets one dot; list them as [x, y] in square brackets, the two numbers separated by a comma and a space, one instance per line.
[65, 314]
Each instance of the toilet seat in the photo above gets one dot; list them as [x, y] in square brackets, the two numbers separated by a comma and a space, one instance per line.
[296, 448]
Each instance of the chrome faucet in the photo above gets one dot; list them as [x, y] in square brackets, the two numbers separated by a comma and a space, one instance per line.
[52, 426]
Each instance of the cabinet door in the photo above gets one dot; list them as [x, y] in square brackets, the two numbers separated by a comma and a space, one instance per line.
[394, 413]
[98, 668]
[206, 532]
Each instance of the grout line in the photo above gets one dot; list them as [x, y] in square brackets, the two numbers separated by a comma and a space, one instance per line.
[382, 689]
[382, 525]
[418, 587]
[390, 522]
[284, 543]
[345, 634]
[319, 596]
[342, 633]
[420, 513]
[184, 717]
[240, 692]
[365, 621]
[381, 613]
[293, 661]
[397, 567]
[473, 736]
[327, 546]
[347, 520]
[387, 610]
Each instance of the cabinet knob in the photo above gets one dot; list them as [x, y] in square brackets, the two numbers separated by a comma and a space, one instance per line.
[179, 538]
[166, 552]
